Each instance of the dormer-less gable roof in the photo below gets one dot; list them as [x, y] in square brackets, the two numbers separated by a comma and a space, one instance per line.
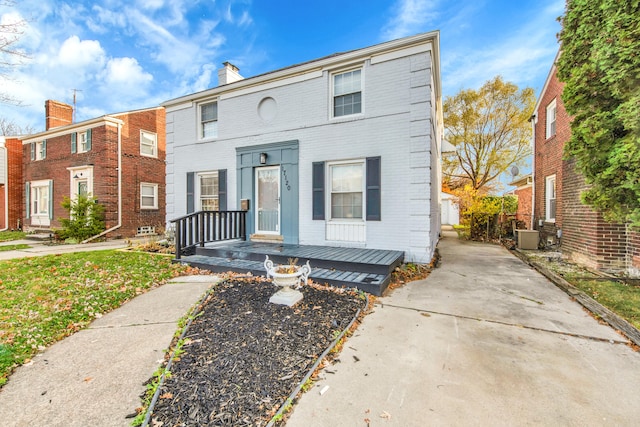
[106, 120]
[378, 53]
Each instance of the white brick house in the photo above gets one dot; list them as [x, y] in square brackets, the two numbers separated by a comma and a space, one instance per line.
[339, 151]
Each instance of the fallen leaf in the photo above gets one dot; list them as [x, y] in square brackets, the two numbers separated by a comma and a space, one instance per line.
[87, 379]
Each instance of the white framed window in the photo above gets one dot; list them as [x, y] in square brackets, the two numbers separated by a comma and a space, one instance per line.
[208, 120]
[39, 150]
[550, 198]
[347, 93]
[148, 144]
[148, 196]
[39, 202]
[40, 199]
[551, 119]
[208, 191]
[83, 142]
[346, 195]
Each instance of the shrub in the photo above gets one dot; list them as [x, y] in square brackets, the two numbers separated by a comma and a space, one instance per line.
[86, 218]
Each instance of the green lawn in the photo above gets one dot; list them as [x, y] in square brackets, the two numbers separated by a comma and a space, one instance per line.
[621, 298]
[6, 236]
[4, 248]
[45, 299]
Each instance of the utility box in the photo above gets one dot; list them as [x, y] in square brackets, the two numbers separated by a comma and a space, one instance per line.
[528, 239]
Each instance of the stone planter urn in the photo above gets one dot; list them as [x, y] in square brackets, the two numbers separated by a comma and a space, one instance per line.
[288, 278]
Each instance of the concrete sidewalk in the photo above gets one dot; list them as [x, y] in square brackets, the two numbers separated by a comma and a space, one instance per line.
[484, 340]
[96, 376]
[39, 248]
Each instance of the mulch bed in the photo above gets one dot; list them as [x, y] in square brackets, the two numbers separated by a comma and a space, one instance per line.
[244, 356]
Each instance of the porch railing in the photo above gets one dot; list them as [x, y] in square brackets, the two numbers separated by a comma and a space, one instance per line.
[202, 227]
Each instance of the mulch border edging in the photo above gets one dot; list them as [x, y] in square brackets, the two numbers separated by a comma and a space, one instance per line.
[286, 405]
[585, 300]
[192, 315]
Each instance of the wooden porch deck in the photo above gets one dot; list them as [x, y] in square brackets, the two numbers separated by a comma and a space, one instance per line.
[366, 269]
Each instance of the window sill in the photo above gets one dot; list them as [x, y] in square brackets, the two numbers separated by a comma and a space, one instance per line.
[347, 118]
[205, 140]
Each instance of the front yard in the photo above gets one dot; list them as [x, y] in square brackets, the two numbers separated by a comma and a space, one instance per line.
[45, 299]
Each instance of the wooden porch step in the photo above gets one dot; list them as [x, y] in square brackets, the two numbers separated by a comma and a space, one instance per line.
[377, 261]
[373, 283]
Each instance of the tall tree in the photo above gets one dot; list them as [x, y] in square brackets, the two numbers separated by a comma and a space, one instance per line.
[600, 65]
[11, 56]
[490, 131]
[10, 128]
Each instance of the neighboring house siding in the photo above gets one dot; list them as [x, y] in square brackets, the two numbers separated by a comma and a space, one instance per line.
[523, 213]
[586, 236]
[13, 186]
[548, 161]
[398, 124]
[70, 165]
[140, 169]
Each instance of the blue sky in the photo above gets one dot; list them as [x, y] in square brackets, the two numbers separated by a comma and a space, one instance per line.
[127, 54]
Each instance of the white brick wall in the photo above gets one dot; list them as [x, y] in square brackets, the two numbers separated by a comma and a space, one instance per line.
[397, 125]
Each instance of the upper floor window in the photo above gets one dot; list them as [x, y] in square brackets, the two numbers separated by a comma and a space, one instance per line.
[347, 93]
[39, 150]
[148, 144]
[148, 196]
[81, 141]
[551, 119]
[209, 120]
[550, 198]
[347, 190]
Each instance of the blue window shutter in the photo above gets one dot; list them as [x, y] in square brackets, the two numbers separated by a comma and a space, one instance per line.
[51, 199]
[74, 142]
[33, 150]
[190, 196]
[44, 149]
[318, 190]
[88, 139]
[27, 198]
[222, 189]
[373, 189]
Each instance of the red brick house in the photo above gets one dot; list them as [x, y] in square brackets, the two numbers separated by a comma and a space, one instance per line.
[10, 183]
[118, 158]
[584, 236]
[524, 193]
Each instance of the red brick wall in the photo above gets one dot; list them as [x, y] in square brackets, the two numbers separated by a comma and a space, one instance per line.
[14, 186]
[634, 253]
[104, 158]
[586, 237]
[137, 169]
[57, 114]
[524, 205]
[548, 155]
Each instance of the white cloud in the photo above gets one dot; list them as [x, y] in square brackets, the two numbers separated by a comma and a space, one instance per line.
[81, 53]
[410, 17]
[126, 73]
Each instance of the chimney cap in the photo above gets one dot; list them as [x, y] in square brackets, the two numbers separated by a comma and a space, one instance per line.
[228, 64]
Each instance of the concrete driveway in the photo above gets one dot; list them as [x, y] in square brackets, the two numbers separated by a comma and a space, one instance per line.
[484, 340]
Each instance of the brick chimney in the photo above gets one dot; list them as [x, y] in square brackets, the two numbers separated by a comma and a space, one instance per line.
[57, 114]
[228, 74]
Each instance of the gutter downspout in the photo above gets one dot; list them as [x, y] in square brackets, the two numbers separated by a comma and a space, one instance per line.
[533, 120]
[6, 185]
[119, 190]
